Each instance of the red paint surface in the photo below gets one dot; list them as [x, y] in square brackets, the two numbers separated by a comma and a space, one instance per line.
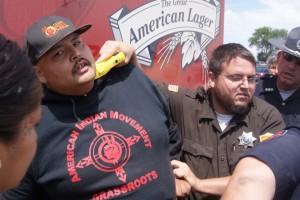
[17, 15]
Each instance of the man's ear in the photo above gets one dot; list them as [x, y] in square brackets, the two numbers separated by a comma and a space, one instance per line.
[40, 74]
[211, 80]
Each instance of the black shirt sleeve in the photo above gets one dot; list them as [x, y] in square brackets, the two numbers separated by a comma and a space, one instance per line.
[26, 190]
[282, 156]
[175, 141]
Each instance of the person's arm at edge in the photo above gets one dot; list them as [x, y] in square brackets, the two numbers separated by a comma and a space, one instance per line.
[26, 190]
[252, 179]
[213, 186]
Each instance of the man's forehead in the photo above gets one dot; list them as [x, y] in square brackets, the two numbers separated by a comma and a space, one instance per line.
[235, 67]
[238, 60]
[69, 38]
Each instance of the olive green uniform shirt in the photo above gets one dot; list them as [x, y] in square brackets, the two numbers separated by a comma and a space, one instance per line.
[208, 150]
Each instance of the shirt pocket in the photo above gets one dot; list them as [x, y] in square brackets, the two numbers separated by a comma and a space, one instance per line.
[198, 157]
[235, 155]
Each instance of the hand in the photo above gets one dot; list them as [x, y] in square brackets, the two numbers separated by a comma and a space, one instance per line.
[183, 188]
[182, 171]
[111, 48]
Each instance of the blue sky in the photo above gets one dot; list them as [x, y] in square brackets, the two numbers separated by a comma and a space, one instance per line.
[243, 17]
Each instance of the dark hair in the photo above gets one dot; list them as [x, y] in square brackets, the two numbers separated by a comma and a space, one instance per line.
[20, 89]
[272, 59]
[225, 53]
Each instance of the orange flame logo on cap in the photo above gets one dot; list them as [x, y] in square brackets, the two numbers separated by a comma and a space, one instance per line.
[52, 30]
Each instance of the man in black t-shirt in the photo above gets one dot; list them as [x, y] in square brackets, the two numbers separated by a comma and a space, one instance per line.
[112, 138]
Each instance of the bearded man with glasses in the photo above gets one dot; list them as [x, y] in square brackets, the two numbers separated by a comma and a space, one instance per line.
[282, 90]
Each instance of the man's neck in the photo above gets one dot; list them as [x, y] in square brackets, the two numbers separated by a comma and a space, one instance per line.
[284, 87]
[81, 90]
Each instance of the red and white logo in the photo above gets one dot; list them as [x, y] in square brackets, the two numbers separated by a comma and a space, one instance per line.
[109, 151]
[50, 31]
[53, 29]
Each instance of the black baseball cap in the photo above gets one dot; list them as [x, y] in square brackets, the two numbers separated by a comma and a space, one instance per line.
[48, 31]
[290, 44]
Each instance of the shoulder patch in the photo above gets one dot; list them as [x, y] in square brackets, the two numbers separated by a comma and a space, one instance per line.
[173, 88]
[269, 136]
[265, 137]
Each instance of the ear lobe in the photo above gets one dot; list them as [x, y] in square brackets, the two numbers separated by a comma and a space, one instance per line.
[211, 80]
[40, 74]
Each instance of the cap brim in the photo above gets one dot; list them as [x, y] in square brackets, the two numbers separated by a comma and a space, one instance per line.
[280, 44]
[83, 29]
[79, 30]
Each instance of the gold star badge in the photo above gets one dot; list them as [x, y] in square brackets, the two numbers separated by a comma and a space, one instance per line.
[246, 139]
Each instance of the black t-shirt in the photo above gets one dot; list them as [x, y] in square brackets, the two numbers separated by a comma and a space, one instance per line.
[113, 143]
[282, 155]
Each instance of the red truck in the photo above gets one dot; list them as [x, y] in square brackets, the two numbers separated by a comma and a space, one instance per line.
[173, 38]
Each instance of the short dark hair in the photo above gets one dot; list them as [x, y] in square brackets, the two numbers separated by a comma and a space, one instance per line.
[20, 89]
[225, 53]
[272, 59]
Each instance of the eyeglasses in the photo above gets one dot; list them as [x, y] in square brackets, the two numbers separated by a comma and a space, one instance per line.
[290, 58]
[238, 78]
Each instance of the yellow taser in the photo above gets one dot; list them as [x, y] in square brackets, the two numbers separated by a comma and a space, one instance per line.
[105, 66]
